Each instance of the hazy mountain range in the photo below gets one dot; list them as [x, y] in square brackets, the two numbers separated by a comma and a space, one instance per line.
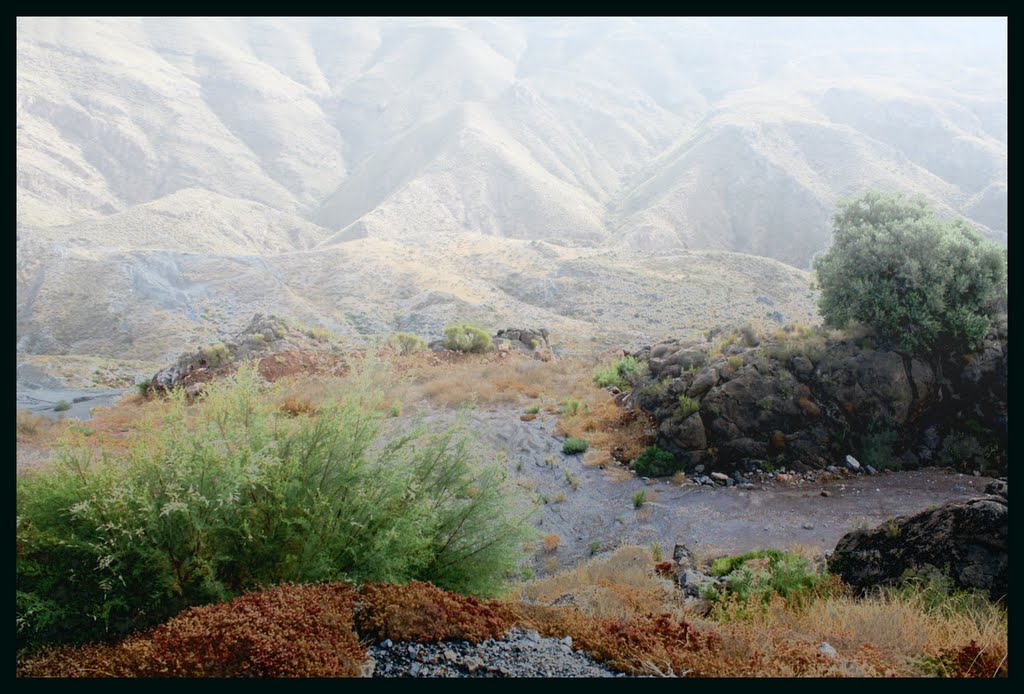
[175, 175]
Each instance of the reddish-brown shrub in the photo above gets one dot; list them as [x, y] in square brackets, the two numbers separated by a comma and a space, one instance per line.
[421, 612]
[665, 568]
[286, 631]
[639, 645]
[295, 406]
[971, 660]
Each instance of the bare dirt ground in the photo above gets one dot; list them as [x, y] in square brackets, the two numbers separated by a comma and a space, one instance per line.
[591, 510]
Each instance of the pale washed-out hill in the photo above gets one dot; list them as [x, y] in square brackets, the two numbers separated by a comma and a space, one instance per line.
[596, 176]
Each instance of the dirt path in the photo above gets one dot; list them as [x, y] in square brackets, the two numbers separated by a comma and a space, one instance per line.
[598, 513]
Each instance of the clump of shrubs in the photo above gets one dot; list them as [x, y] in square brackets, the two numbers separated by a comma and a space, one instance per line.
[285, 631]
[753, 578]
[235, 494]
[216, 355]
[406, 343]
[420, 611]
[465, 337]
[574, 446]
[656, 462]
[62, 406]
[622, 374]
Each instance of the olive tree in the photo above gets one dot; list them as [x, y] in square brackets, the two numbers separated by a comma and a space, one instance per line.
[926, 284]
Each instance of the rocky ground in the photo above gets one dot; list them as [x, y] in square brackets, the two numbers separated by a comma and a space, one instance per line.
[782, 510]
[521, 653]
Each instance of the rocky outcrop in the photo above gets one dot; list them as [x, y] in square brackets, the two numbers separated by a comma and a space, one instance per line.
[801, 401]
[532, 341]
[965, 540]
[192, 369]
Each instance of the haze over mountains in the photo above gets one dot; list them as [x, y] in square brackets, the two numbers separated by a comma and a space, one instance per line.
[176, 175]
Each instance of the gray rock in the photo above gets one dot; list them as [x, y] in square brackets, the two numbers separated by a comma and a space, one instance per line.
[870, 470]
[720, 477]
[827, 649]
[851, 463]
[968, 537]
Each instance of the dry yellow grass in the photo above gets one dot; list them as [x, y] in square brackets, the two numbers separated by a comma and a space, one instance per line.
[619, 585]
[551, 542]
[883, 634]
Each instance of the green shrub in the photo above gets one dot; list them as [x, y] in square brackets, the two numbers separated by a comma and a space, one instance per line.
[570, 407]
[533, 409]
[406, 343]
[923, 282]
[687, 406]
[464, 337]
[216, 355]
[639, 498]
[574, 446]
[754, 577]
[735, 361]
[622, 374]
[876, 449]
[143, 387]
[655, 462]
[62, 406]
[232, 494]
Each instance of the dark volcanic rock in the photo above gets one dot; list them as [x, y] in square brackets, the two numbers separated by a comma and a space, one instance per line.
[966, 539]
[806, 401]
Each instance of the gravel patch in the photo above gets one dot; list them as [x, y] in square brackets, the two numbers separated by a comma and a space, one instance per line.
[521, 653]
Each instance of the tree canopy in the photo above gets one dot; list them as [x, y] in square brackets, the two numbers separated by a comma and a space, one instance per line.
[923, 282]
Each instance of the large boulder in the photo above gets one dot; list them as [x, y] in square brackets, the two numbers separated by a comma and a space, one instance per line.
[532, 341]
[966, 540]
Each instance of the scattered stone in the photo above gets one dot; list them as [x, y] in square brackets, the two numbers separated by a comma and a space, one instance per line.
[720, 477]
[825, 492]
[998, 487]
[852, 463]
[808, 526]
[827, 649]
[386, 643]
[870, 470]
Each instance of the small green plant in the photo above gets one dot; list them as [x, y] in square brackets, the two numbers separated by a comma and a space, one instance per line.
[575, 446]
[533, 409]
[735, 361]
[216, 355]
[754, 577]
[573, 481]
[594, 547]
[62, 406]
[143, 388]
[687, 406]
[570, 407]
[319, 333]
[465, 337]
[656, 462]
[559, 497]
[639, 498]
[656, 552]
[406, 343]
[622, 374]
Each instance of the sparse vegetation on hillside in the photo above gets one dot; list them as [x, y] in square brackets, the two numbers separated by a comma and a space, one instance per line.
[574, 446]
[207, 503]
[922, 282]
